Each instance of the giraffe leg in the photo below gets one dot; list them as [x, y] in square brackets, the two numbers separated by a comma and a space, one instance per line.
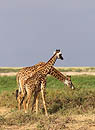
[34, 100]
[37, 99]
[23, 91]
[19, 97]
[19, 100]
[27, 102]
[24, 106]
[43, 98]
[20, 94]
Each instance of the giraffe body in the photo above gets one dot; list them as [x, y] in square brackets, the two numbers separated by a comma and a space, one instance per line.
[27, 72]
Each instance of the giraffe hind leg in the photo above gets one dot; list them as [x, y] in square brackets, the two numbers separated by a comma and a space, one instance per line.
[27, 103]
[35, 100]
[18, 98]
[23, 98]
[22, 92]
[27, 100]
[18, 93]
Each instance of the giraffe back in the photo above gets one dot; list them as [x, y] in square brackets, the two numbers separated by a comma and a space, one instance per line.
[27, 72]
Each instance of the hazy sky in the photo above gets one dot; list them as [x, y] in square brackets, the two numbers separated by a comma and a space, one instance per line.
[31, 30]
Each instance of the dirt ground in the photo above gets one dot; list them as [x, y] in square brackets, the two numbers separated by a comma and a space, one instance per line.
[74, 122]
[8, 74]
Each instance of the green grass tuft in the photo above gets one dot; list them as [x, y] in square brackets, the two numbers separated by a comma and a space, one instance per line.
[7, 83]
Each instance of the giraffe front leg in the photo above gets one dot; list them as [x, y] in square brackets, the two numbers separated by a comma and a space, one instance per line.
[43, 98]
[34, 100]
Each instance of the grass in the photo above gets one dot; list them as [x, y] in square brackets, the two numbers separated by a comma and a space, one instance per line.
[84, 81]
[7, 83]
[61, 102]
[55, 89]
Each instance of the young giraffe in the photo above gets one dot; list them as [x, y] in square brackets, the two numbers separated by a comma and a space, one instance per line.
[37, 82]
[27, 72]
[65, 79]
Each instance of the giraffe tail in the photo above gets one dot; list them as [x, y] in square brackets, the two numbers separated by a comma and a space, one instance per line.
[23, 98]
[16, 94]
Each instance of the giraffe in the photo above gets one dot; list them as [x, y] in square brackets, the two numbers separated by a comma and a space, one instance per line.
[37, 82]
[26, 72]
[65, 79]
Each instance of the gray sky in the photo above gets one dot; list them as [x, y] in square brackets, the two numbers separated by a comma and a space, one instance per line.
[31, 30]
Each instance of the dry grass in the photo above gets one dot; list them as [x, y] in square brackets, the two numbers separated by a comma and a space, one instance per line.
[76, 69]
[67, 109]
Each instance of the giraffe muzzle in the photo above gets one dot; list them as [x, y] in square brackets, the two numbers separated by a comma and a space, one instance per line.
[72, 87]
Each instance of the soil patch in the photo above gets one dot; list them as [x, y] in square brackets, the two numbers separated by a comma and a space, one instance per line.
[73, 122]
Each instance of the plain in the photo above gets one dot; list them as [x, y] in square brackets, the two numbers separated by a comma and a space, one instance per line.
[66, 107]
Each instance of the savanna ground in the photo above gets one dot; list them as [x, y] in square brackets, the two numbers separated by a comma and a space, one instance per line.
[67, 109]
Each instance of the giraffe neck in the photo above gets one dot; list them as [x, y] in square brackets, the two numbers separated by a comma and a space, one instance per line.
[46, 68]
[57, 74]
[54, 72]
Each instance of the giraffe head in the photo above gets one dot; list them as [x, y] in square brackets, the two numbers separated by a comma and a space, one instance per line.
[59, 54]
[68, 82]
